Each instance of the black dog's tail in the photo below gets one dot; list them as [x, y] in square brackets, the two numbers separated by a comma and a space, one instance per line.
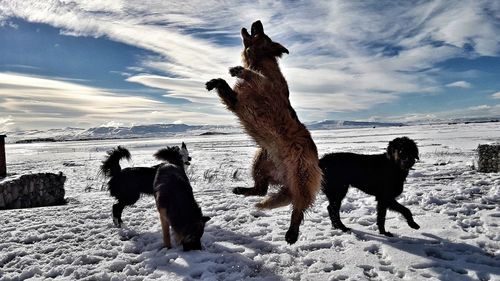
[111, 165]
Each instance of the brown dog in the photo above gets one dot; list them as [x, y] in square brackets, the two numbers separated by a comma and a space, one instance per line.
[288, 156]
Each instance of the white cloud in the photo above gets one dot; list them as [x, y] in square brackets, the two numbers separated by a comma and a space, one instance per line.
[112, 123]
[483, 110]
[460, 84]
[6, 123]
[344, 55]
[496, 95]
[57, 102]
[192, 90]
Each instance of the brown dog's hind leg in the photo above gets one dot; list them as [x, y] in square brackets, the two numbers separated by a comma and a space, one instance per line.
[165, 227]
[280, 199]
[292, 234]
[261, 168]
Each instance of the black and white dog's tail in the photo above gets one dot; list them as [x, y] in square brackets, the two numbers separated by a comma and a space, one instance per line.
[171, 155]
[111, 165]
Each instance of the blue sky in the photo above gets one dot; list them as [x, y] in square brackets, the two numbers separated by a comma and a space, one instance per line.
[118, 62]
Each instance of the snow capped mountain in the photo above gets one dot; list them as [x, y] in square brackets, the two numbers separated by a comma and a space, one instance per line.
[162, 130]
[341, 124]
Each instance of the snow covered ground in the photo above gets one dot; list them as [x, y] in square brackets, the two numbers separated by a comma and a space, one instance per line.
[457, 208]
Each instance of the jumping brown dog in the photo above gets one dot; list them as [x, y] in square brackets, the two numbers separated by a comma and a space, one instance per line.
[287, 155]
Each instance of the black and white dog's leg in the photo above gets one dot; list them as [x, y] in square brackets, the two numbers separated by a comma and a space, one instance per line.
[117, 214]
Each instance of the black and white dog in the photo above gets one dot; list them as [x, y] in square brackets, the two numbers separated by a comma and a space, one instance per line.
[175, 202]
[127, 185]
[381, 175]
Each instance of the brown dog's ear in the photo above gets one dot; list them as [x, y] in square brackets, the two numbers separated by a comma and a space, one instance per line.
[278, 49]
[257, 28]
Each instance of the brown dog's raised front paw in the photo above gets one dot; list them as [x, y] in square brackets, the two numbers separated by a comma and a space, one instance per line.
[214, 83]
[236, 71]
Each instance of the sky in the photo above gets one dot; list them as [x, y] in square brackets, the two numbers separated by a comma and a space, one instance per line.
[119, 63]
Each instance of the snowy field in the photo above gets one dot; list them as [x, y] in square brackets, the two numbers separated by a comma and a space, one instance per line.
[457, 208]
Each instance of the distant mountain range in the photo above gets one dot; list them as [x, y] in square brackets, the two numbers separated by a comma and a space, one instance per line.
[336, 124]
[160, 130]
[119, 132]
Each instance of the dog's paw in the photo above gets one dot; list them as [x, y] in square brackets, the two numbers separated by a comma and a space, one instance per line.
[214, 83]
[387, 233]
[236, 71]
[413, 225]
[291, 236]
[259, 205]
[117, 222]
[249, 191]
[239, 190]
[343, 228]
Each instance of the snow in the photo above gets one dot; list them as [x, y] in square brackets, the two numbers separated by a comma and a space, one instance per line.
[457, 208]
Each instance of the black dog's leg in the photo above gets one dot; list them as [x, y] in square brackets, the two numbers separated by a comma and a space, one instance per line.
[335, 194]
[381, 212]
[117, 213]
[394, 205]
[334, 213]
[225, 92]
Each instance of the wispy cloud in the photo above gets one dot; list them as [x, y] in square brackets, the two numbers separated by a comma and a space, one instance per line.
[6, 123]
[189, 89]
[345, 55]
[52, 101]
[460, 84]
[466, 112]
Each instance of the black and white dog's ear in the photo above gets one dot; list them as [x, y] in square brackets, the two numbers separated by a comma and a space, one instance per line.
[205, 218]
[184, 145]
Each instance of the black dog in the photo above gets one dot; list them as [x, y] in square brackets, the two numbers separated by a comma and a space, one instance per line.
[128, 184]
[381, 175]
[175, 202]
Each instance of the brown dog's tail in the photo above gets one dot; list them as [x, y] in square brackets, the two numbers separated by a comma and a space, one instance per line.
[306, 183]
[111, 165]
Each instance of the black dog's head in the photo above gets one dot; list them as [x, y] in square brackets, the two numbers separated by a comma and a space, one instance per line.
[175, 155]
[190, 236]
[258, 46]
[403, 152]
